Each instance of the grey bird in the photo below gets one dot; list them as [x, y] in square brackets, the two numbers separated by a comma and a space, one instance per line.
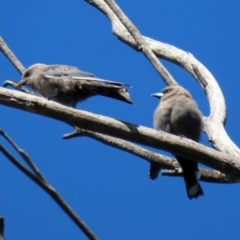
[68, 85]
[178, 114]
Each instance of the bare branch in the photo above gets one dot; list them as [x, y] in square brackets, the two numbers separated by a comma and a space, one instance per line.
[213, 125]
[23, 155]
[11, 57]
[162, 161]
[125, 146]
[51, 191]
[183, 147]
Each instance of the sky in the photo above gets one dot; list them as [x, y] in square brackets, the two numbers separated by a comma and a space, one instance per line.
[109, 188]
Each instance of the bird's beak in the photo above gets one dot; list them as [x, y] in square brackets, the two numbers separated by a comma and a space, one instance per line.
[157, 95]
[22, 82]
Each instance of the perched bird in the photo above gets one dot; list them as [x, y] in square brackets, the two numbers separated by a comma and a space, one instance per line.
[68, 85]
[178, 114]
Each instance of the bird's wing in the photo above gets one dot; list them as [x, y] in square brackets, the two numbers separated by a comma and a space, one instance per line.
[94, 80]
[65, 70]
[75, 73]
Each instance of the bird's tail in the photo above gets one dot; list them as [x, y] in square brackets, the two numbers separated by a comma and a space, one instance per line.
[191, 175]
[111, 90]
[117, 93]
[154, 170]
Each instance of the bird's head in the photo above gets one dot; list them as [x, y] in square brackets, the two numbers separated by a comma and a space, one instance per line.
[171, 91]
[29, 73]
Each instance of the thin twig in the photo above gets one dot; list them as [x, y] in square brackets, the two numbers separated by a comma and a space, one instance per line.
[10, 55]
[23, 155]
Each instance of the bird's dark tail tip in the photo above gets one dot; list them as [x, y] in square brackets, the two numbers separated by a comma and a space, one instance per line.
[119, 94]
[154, 170]
[195, 191]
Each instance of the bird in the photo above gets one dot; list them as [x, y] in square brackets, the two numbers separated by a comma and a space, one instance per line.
[178, 114]
[68, 85]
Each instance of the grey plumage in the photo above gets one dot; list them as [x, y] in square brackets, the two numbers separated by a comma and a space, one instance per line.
[69, 85]
[178, 114]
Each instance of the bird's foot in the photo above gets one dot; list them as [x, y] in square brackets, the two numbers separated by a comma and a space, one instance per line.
[15, 85]
[182, 136]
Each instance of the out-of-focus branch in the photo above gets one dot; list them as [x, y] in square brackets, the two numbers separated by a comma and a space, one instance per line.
[1, 228]
[214, 124]
[40, 181]
[178, 146]
[163, 161]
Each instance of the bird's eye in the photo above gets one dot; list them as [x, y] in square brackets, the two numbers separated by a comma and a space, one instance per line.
[166, 91]
[26, 74]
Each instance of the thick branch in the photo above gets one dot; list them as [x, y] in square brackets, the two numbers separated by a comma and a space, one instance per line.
[120, 129]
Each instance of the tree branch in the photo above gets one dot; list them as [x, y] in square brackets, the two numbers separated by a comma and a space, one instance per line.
[24, 155]
[10, 56]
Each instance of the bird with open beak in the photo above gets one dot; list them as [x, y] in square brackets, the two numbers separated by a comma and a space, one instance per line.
[178, 114]
[68, 85]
